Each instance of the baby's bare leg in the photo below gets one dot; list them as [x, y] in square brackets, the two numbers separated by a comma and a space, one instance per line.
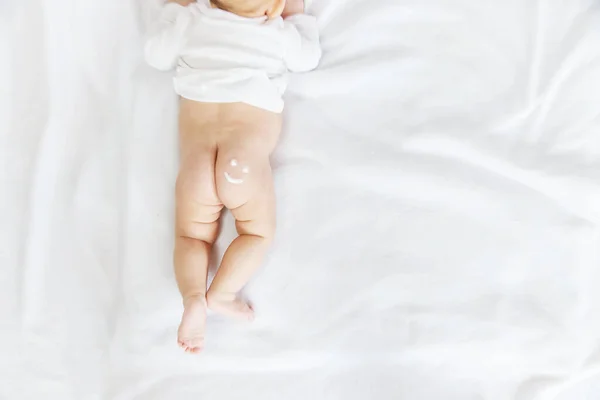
[197, 213]
[197, 216]
[245, 187]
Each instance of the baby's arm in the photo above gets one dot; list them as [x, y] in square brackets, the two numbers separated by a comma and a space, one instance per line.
[167, 36]
[303, 46]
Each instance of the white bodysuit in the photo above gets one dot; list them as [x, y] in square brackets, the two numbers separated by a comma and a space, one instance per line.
[224, 58]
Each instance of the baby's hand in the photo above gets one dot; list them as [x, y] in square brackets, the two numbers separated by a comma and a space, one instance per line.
[293, 7]
[183, 3]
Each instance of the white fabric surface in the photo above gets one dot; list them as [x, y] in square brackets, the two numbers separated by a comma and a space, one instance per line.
[439, 209]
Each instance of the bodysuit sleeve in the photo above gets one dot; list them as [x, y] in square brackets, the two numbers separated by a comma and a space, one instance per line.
[303, 49]
[167, 36]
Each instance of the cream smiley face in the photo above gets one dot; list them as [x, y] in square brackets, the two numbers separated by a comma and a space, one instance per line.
[235, 181]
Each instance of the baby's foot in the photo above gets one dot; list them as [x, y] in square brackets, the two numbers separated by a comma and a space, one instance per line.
[293, 7]
[230, 306]
[190, 335]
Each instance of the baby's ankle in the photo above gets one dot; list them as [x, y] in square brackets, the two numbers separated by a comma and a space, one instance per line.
[194, 298]
[214, 296]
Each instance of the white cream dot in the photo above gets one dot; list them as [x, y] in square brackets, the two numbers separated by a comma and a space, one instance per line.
[245, 170]
[234, 163]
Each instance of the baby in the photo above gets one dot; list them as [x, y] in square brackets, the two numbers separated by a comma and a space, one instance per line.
[232, 58]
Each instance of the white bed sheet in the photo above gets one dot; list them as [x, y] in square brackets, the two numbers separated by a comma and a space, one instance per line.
[439, 208]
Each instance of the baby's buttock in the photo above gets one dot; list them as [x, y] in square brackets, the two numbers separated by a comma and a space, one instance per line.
[228, 125]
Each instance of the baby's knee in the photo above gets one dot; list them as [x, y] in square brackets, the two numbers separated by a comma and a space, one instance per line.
[268, 235]
[262, 228]
[267, 228]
